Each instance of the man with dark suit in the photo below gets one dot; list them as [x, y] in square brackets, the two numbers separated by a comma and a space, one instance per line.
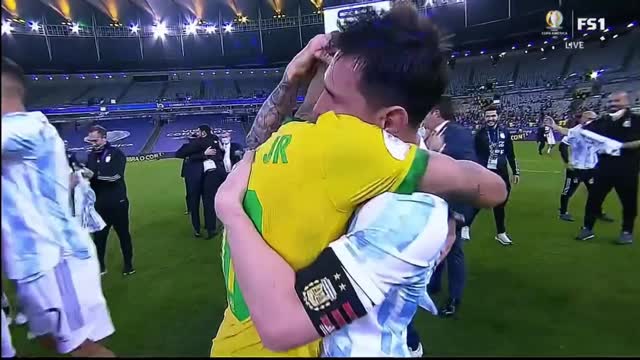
[202, 155]
[541, 139]
[456, 141]
[494, 149]
[183, 174]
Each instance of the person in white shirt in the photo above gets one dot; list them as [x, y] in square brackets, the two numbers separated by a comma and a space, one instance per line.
[45, 251]
[580, 160]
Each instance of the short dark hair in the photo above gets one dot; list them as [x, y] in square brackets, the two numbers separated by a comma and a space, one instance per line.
[445, 107]
[491, 107]
[99, 129]
[401, 56]
[206, 128]
[10, 68]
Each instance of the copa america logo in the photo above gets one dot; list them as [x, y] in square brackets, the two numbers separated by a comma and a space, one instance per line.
[554, 20]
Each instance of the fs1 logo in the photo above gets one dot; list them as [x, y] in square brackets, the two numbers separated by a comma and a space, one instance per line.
[591, 24]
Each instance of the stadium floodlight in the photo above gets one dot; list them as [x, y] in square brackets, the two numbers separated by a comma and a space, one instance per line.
[553, 47]
[6, 27]
[75, 28]
[135, 28]
[228, 28]
[546, 42]
[34, 26]
[160, 30]
[481, 52]
[631, 24]
[35, 78]
[513, 47]
[529, 45]
[542, 49]
[602, 38]
[211, 29]
[192, 28]
[594, 75]
[615, 36]
[502, 54]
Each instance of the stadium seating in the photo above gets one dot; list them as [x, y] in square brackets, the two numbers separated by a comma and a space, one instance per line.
[134, 133]
[175, 133]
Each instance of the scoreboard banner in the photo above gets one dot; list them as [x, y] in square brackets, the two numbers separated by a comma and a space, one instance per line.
[338, 15]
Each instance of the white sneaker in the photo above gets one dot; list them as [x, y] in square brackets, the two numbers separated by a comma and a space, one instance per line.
[417, 353]
[21, 319]
[465, 233]
[504, 239]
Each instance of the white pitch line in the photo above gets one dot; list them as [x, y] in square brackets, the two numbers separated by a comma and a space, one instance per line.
[541, 171]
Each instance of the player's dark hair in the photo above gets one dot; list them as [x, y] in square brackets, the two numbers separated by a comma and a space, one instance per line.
[10, 68]
[401, 57]
[445, 107]
[206, 128]
[99, 129]
[491, 107]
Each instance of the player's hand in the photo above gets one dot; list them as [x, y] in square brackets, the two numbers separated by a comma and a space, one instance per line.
[210, 151]
[568, 166]
[435, 142]
[515, 179]
[303, 65]
[548, 121]
[229, 197]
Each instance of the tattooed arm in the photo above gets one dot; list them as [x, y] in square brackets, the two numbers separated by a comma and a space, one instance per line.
[283, 99]
[271, 114]
[316, 87]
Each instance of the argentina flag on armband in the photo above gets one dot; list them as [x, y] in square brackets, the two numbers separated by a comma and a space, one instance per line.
[390, 251]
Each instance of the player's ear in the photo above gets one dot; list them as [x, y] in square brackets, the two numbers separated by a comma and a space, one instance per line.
[394, 119]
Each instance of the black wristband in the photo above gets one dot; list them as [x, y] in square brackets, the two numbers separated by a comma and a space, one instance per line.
[327, 294]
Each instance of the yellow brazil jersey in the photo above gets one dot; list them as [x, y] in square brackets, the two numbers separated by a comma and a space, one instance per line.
[306, 182]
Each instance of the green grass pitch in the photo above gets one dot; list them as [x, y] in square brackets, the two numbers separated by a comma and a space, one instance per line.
[546, 295]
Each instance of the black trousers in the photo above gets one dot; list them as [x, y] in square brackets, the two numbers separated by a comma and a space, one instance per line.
[572, 180]
[186, 193]
[625, 184]
[541, 145]
[499, 211]
[114, 214]
[211, 183]
[194, 194]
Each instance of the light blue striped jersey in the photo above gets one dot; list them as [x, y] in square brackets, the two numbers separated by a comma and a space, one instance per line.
[389, 252]
[586, 145]
[37, 225]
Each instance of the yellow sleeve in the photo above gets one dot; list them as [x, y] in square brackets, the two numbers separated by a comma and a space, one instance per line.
[361, 161]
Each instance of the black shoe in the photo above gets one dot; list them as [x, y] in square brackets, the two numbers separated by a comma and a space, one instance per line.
[451, 308]
[197, 234]
[128, 270]
[566, 217]
[606, 218]
[585, 234]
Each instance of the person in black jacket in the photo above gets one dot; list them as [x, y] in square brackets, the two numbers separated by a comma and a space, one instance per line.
[204, 172]
[494, 149]
[541, 138]
[108, 166]
[616, 172]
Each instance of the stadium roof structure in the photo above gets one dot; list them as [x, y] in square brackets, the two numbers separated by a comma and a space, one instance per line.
[47, 36]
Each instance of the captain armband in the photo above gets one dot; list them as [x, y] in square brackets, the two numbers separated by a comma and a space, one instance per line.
[327, 294]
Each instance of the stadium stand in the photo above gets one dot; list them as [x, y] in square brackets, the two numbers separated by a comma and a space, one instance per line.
[175, 133]
[131, 134]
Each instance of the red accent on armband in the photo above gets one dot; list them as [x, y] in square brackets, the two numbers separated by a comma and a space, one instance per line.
[328, 326]
[349, 310]
[338, 318]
